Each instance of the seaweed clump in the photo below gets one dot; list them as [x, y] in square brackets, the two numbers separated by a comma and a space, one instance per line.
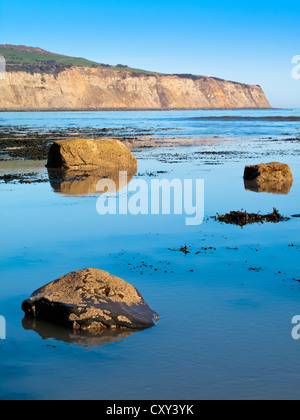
[242, 218]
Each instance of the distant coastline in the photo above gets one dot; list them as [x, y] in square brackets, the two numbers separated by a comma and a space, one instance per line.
[136, 109]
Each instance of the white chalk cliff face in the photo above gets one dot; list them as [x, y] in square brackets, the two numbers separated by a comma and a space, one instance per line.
[81, 88]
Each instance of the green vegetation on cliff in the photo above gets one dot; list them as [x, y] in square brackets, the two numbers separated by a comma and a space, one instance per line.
[36, 60]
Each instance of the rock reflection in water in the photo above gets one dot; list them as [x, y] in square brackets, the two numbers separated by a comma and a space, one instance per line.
[260, 186]
[47, 331]
[84, 183]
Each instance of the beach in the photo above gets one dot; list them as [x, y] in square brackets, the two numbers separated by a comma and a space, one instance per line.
[226, 294]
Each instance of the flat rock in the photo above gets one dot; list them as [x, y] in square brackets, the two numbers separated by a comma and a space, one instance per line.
[89, 154]
[90, 300]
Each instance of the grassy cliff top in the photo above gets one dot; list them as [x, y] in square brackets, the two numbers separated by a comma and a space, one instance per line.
[36, 60]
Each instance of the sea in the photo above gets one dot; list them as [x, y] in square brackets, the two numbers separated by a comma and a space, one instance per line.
[229, 306]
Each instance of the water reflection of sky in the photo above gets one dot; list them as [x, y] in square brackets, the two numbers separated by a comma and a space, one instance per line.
[225, 308]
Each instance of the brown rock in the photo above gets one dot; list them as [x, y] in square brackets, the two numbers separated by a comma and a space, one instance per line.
[274, 177]
[90, 300]
[88, 154]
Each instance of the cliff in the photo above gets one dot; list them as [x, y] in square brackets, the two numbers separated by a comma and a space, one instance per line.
[87, 88]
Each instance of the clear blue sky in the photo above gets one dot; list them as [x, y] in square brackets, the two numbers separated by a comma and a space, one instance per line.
[247, 41]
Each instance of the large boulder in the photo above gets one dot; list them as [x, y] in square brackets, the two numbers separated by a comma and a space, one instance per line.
[90, 300]
[89, 154]
[274, 177]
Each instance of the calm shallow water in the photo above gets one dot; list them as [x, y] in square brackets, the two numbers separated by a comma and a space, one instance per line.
[224, 329]
[254, 123]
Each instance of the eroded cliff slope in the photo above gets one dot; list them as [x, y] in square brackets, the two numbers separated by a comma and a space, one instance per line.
[83, 88]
